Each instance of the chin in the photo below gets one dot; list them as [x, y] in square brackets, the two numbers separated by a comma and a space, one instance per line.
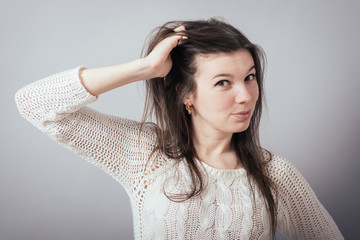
[241, 128]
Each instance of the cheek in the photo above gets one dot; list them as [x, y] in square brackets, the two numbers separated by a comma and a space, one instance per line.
[220, 103]
[207, 103]
[255, 92]
[223, 102]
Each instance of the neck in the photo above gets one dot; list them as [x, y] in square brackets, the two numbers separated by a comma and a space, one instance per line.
[212, 144]
[214, 148]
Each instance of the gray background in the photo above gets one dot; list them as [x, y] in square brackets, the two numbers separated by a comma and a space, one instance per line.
[312, 85]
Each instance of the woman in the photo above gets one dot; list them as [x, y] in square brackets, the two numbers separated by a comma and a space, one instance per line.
[199, 172]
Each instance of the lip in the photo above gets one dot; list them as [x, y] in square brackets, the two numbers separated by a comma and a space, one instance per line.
[244, 115]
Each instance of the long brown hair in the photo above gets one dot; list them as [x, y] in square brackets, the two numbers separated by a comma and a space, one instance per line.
[165, 97]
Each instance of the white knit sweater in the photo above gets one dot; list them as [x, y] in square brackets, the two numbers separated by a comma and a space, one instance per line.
[224, 210]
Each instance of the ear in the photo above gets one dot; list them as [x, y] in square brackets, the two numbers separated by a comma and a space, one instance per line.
[189, 99]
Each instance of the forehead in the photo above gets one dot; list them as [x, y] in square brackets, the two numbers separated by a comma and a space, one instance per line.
[238, 62]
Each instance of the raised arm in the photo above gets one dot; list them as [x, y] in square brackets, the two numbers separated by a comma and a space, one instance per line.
[157, 64]
[57, 106]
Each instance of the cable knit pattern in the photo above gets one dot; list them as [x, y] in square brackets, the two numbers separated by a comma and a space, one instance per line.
[224, 210]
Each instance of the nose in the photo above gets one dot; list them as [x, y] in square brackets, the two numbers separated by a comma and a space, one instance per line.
[243, 93]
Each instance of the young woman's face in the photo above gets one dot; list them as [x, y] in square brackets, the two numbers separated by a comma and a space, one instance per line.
[226, 92]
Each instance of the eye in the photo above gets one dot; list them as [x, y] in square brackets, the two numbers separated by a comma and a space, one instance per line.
[250, 77]
[222, 83]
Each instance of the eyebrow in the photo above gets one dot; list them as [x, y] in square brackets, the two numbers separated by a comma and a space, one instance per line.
[230, 75]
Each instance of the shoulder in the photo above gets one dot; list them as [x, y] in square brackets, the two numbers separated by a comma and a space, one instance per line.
[275, 162]
[287, 179]
[280, 170]
[147, 130]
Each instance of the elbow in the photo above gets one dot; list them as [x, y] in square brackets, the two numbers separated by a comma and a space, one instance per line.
[25, 105]
[20, 100]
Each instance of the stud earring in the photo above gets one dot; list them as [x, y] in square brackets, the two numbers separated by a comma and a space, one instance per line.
[187, 107]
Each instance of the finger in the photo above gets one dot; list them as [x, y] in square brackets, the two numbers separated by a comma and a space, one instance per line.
[179, 29]
[174, 40]
[167, 44]
[182, 30]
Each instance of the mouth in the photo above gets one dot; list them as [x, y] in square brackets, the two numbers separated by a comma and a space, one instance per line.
[244, 115]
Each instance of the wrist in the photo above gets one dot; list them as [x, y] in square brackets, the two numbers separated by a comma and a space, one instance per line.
[145, 68]
[148, 69]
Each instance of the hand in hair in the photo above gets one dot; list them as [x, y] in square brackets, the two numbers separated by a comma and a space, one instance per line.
[159, 59]
[157, 64]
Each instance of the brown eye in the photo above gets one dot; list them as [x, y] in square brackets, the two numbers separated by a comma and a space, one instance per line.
[250, 77]
[222, 83]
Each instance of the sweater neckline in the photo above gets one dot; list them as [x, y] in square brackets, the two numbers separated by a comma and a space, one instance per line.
[222, 173]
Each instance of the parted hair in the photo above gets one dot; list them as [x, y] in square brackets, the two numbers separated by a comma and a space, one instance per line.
[165, 98]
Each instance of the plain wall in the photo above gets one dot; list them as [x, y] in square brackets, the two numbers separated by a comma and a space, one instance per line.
[312, 85]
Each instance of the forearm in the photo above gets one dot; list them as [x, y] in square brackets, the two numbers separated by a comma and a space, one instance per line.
[103, 79]
[157, 64]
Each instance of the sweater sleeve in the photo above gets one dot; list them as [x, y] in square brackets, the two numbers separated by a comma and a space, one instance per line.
[57, 106]
[300, 214]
